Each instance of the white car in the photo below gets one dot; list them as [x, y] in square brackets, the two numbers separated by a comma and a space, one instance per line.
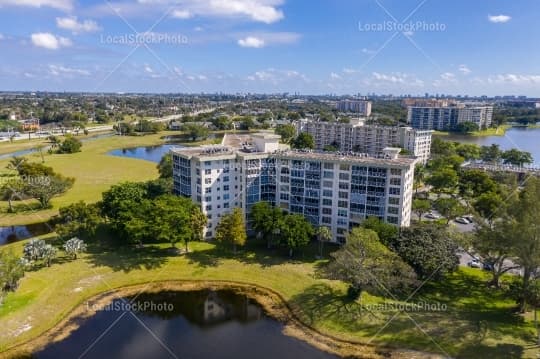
[432, 215]
[462, 220]
[475, 263]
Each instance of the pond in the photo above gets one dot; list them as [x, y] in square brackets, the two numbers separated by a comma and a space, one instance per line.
[148, 153]
[200, 324]
[522, 138]
[16, 233]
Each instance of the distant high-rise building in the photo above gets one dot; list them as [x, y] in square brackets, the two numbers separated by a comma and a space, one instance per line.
[359, 107]
[446, 118]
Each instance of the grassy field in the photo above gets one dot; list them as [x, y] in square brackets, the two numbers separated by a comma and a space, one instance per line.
[94, 172]
[499, 131]
[465, 318]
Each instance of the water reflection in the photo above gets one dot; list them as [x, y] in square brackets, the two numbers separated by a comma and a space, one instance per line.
[199, 324]
[13, 234]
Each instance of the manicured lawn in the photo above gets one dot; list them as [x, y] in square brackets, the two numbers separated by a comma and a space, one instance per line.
[499, 131]
[94, 172]
[471, 321]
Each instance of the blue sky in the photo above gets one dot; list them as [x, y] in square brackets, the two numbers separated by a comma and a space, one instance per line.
[480, 47]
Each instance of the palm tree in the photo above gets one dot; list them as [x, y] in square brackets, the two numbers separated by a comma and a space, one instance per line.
[324, 235]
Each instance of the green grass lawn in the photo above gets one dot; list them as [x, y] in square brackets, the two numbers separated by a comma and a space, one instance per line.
[471, 320]
[94, 172]
[498, 131]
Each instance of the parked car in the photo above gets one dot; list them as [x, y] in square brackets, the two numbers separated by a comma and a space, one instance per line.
[432, 215]
[487, 266]
[469, 218]
[462, 220]
[475, 263]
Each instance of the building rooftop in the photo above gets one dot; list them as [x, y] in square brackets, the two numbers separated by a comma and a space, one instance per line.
[401, 161]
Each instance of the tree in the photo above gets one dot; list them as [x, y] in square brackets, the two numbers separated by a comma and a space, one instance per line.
[195, 131]
[247, 123]
[296, 232]
[172, 219]
[12, 189]
[303, 141]
[386, 232]
[495, 247]
[198, 222]
[428, 249]
[491, 153]
[70, 145]
[324, 234]
[364, 263]
[421, 206]
[523, 222]
[74, 246]
[48, 254]
[466, 127]
[165, 166]
[287, 132]
[33, 249]
[443, 180]
[266, 220]
[232, 229]
[449, 208]
[473, 183]
[77, 220]
[11, 271]
[419, 176]
[490, 206]
[468, 151]
[15, 162]
[44, 191]
[516, 157]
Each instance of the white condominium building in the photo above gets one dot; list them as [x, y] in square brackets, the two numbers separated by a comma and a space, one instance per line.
[360, 107]
[446, 118]
[371, 139]
[338, 190]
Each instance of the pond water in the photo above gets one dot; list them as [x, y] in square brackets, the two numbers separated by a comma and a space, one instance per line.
[522, 138]
[192, 325]
[16, 233]
[148, 153]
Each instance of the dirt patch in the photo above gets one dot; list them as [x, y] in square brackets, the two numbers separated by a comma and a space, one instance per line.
[272, 303]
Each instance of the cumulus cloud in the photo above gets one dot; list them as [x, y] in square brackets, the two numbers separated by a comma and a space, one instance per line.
[56, 4]
[251, 41]
[464, 69]
[58, 70]
[274, 76]
[335, 76]
[514, 79]
[497, 19]
[394, 78]
[71, 23]
[448, 76]
[266, 11]
[181, 14]
[50, 41]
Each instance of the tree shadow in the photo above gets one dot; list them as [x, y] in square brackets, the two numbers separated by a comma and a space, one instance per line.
[126, 258]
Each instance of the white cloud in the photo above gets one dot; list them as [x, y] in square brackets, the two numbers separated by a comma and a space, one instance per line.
[464, 69]
[350, 71]
[181, 14]
[368, 51]
[274, 76]
[2, 37]
[57, 4]
[394, 78]
[251, 41]
[265, 11]
[50, 41]
[448, 76]
[148, 69]
[514, 79]
[408, 33]
[57, 70]
[499, 18]
[71, 23]
[335, 76]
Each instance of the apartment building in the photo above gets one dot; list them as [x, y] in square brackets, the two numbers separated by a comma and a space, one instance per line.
[371, 139]
[447, 118]
[337, 190]
[359, 107]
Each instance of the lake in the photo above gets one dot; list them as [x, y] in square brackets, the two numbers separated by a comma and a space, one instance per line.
[148, 153]
[192, 325]
[13, 234]
[522, 138]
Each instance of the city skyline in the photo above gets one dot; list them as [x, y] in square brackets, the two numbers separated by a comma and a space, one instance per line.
[270, 46]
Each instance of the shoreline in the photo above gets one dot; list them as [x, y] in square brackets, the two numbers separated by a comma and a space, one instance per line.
[271, 302]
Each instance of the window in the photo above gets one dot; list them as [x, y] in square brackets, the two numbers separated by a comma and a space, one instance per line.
[391, 219]
[327, 193]
[208, 207]
[207, 180]
[328, 174]
[328, 166]
[226, 196]
[395, 191]
[342, 204]
[208, 198]
[226, 179]
[207, 163]
[344, 167]
[327, 220]
[395, 181]
[207, 171]
[342, 213]
[327, 211]
[344, 176]
[395, 171]
[226, 205]
[343, 185]
[208, 190]
[393, 210]
[326, 202]
[343, 195]
[226, 187]
[329, 184]
[393, 200]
